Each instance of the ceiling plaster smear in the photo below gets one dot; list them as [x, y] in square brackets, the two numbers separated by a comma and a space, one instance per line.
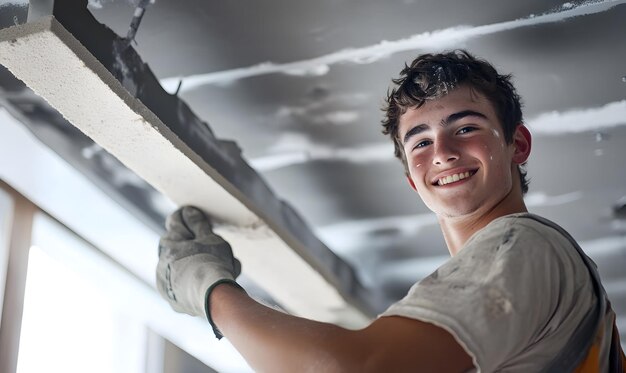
[57, 67]
[607, 247]
[435, 40]
[580, 120]
[540, 199]
[292, 149]
[363, 154]
[350, 235]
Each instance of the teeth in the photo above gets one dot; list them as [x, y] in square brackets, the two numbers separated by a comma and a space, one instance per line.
[453, 178]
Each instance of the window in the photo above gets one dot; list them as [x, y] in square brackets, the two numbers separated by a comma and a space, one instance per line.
[70, 321]
[110, 270]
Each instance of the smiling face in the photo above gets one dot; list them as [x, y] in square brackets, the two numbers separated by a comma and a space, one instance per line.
[458, 160]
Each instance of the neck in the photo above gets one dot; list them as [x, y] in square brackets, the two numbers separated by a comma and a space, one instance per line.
[457, 230]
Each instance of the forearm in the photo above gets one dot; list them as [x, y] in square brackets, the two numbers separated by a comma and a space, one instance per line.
[274, 341]
[192, 259]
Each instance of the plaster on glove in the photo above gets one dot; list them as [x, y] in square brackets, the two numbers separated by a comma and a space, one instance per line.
[192, 261]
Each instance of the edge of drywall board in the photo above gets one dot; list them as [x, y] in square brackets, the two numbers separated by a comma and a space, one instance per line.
[285, 234]
[152, 119]
[49, 23]
[343, 282]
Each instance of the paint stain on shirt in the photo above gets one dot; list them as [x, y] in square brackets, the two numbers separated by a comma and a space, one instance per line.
[497, 304]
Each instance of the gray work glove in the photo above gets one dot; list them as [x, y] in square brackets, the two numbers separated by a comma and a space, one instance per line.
[192, 261]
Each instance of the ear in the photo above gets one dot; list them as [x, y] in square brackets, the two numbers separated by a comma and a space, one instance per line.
[411, 183]
[522, 143]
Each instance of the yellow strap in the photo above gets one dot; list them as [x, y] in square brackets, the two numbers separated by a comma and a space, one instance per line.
[591, 364]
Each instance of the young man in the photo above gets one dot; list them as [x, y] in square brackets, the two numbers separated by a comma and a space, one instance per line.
[517, 295]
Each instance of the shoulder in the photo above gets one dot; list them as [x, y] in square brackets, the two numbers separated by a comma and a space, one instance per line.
[518, 276]
[512, 226]
[522, 235]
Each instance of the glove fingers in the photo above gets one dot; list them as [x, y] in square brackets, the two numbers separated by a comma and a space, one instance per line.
[176, 228]
[197, 221]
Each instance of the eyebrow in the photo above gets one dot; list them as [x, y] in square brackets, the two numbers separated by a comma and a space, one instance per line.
[446, 121]
[460, 115]
[414, 132]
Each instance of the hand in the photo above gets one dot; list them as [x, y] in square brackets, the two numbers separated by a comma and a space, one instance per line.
[192, 261]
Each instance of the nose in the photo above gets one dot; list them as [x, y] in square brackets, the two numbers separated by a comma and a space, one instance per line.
[445, 152]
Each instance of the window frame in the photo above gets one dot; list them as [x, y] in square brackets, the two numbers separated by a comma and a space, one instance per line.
[20, 225]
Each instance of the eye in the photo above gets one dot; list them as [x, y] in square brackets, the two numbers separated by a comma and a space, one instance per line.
[466, 130]
[421, 144]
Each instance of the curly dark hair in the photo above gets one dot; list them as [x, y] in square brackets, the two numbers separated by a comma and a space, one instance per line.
[431, 76]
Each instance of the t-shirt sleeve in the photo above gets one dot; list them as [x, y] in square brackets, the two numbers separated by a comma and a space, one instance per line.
[501, 295]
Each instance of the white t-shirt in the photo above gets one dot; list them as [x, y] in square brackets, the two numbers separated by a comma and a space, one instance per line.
[511, 297]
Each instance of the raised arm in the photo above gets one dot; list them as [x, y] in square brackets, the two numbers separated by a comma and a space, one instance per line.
[196, 275]
[276, 342]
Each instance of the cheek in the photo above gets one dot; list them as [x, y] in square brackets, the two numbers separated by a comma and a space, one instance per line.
[498, 159]
[490, 152]
[417, 159]
[416, 167]
[417, 176]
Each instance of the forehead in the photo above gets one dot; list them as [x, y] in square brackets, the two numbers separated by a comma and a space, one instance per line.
[434, 111]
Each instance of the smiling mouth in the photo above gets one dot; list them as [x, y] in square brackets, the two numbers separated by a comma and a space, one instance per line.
[454, 178]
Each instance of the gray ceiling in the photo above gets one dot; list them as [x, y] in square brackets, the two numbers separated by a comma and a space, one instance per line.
[312, 128]
[341, 173]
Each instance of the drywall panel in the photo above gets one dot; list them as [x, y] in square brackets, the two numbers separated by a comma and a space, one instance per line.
[277, 250]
